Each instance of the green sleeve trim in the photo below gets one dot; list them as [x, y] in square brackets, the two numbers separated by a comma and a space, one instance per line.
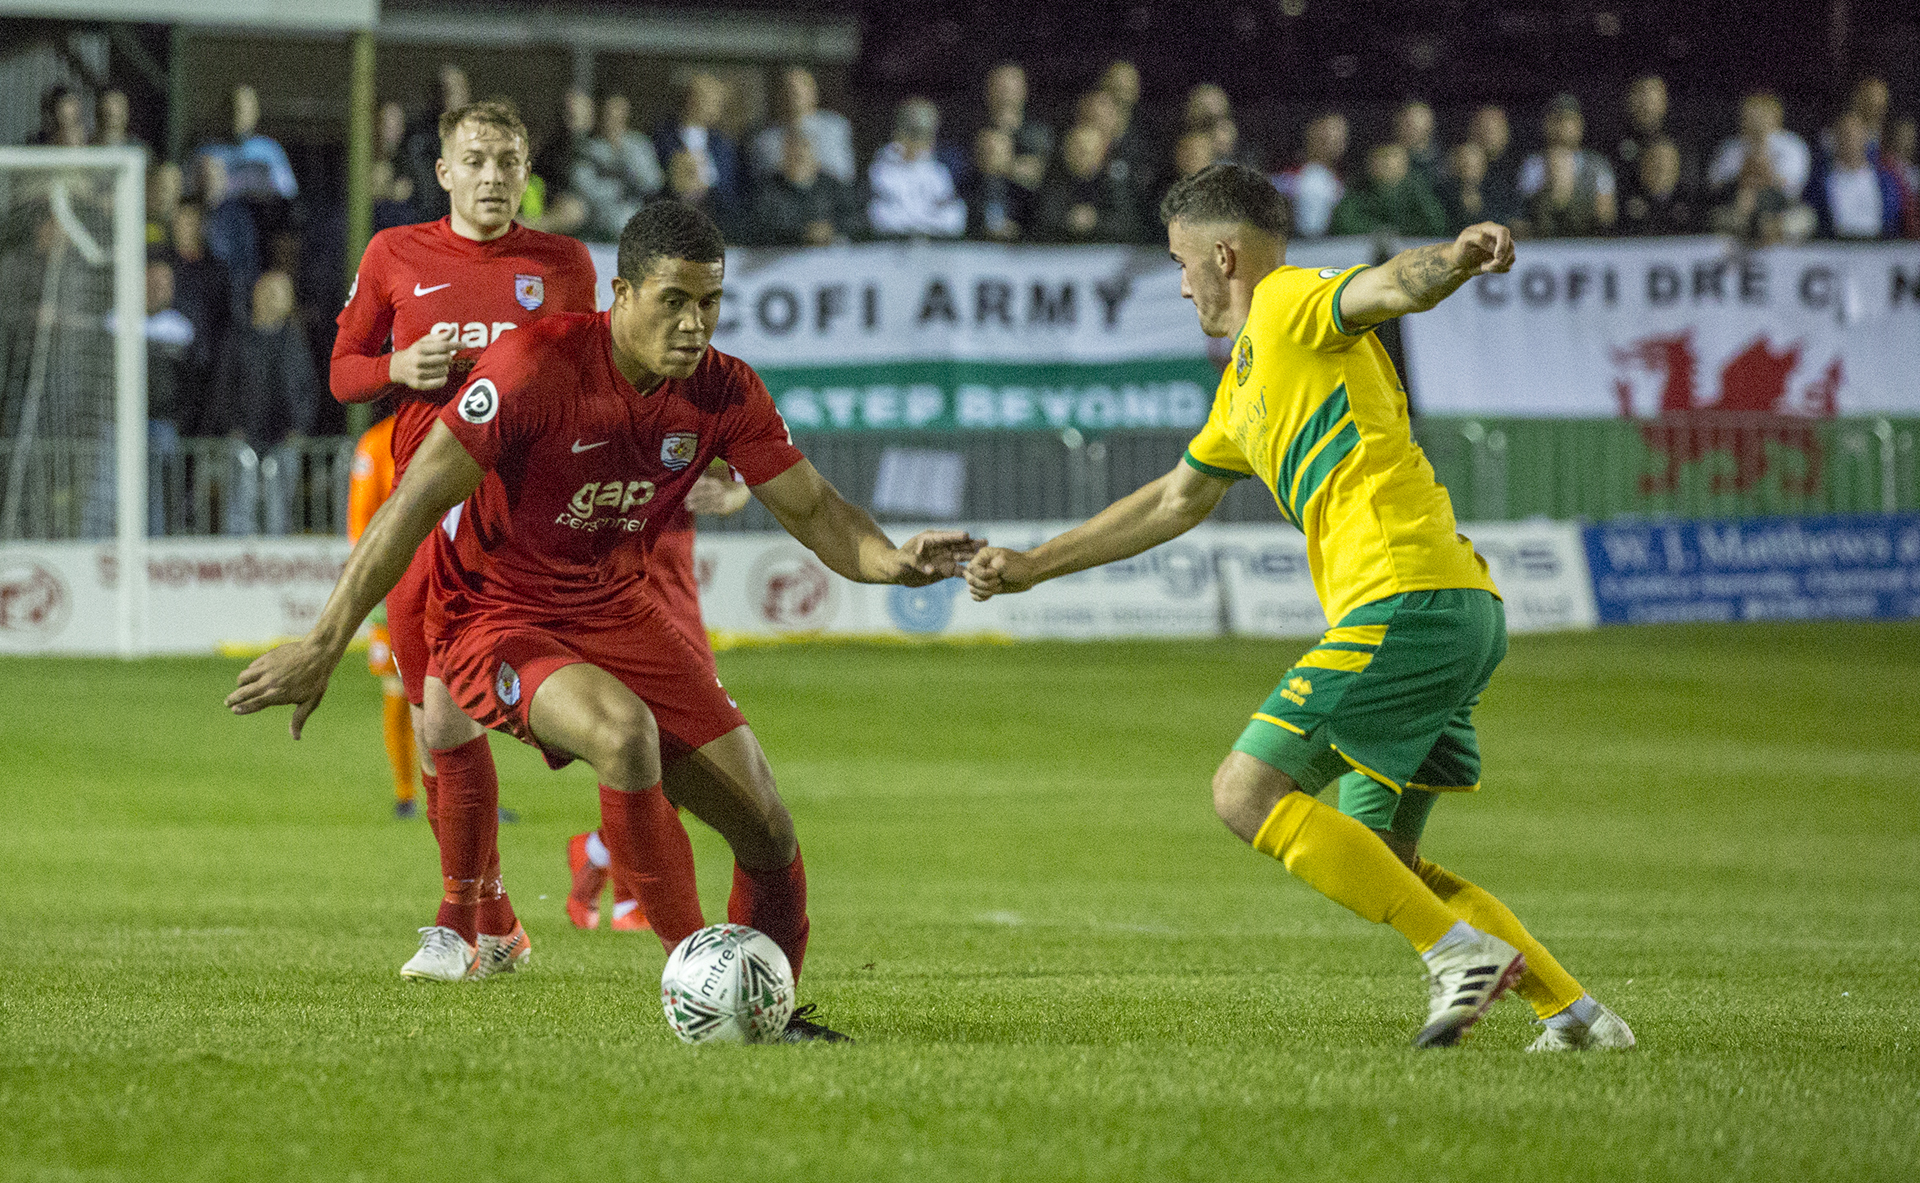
[1338, 322]
[1225, 474]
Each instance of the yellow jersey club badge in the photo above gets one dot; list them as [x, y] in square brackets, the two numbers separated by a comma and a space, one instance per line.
[1296, 691]
[1242, 361]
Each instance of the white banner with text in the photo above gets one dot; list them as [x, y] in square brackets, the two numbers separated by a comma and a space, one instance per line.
[964, 336]
[1648, 327]
[209, 593]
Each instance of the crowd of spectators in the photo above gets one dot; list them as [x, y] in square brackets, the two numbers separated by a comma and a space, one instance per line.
[244, 261]
[230, 238]
[998, 172]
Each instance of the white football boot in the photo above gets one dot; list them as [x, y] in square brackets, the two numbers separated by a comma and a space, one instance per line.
[1606, 1032]
[502, 955]
[444, 956]
[1465, 981]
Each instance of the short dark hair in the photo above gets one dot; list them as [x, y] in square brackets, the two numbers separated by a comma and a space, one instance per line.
[1227, 192]
[499, 113]
[667, 230]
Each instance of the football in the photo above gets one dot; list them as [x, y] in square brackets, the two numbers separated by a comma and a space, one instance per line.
[727, 983]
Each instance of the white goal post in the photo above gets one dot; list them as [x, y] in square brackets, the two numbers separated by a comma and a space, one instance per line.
[71, 182]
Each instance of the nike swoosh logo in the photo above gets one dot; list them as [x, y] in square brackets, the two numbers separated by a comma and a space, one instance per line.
[420, 291]
[579, 447]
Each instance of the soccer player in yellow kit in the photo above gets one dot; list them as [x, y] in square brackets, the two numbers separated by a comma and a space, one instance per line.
[1313, 408]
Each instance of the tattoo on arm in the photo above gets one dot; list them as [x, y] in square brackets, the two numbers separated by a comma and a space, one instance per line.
[1425, 275]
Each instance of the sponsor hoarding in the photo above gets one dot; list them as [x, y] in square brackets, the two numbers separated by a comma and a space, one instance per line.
[1846, 567]
[1540, 567]
[59, 597]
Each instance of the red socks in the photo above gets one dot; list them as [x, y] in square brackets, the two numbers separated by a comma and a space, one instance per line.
[775, 902]
[644, 835]
[468, 827]
[431, 783]
[495, 914]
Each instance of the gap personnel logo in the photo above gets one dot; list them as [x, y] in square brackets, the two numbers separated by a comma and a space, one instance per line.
[506, 685]
[473, 334]
[1243, 361]
[480, 402]
[677, 450]
[530, 291]
[1297, 690]
[617, 496]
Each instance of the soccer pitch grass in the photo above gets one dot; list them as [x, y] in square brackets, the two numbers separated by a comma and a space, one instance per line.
[1058, 964]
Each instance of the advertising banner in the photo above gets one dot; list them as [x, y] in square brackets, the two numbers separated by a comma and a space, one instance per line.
[1856, 567]
[960, 336]
[770, 585]
[59, 597]
[1642, 328]
[1540, 567]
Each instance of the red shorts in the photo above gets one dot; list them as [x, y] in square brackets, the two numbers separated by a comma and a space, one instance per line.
[493, 667]
[407, 623]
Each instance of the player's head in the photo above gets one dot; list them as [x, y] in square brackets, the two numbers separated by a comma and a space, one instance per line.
[483, 166]
[1227, 228]
[666, 295]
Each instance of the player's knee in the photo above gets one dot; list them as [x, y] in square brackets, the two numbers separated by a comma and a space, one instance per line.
[445, 727]
[1242, 798]
[628, 743]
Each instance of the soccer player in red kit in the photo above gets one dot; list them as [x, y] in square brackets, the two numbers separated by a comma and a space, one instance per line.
[675, 584]
[441, 292]
[570, 437]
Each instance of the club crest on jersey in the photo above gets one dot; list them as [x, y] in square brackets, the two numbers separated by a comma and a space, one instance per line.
[479, 402]
[506, 685]
[677, 450]
[530, 291]
[1243, 361]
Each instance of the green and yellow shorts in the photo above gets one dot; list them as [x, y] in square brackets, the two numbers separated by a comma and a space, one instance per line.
[1389, 692]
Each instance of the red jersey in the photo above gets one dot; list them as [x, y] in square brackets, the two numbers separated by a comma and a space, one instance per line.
[579, 463]
[425, 279]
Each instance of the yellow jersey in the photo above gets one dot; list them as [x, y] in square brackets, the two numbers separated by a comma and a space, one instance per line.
[1318, 414]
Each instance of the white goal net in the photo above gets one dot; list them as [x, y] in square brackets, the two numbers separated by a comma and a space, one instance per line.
[73, 383]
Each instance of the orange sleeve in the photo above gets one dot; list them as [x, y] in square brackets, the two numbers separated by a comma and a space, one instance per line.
[372, 477]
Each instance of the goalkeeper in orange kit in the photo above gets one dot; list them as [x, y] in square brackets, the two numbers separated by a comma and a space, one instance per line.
[372, 481]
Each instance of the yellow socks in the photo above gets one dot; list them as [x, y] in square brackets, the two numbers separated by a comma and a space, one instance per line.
[1347, 863]
[397, 725]
[1548, 987]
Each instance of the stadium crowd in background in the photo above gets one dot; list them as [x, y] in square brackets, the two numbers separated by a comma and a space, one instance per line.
[999, 170]
[1070, 165]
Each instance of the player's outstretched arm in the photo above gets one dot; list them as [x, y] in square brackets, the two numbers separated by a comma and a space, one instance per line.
[1415, 280]
[441, 476]
[1152, 514]
[848, 541]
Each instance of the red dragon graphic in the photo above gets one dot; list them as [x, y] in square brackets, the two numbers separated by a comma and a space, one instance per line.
[1749, 414]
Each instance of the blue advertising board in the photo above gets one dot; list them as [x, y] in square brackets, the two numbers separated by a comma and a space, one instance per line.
[1827, 568]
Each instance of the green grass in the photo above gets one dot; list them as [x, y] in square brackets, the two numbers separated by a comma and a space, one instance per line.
[1058, 964]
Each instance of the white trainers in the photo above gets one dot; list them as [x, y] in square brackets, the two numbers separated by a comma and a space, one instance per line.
[1607, 1032]
[502, 955]
[1466, 979]
[444, 956]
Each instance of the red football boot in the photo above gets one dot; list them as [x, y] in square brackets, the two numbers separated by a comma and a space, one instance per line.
[583, 898]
